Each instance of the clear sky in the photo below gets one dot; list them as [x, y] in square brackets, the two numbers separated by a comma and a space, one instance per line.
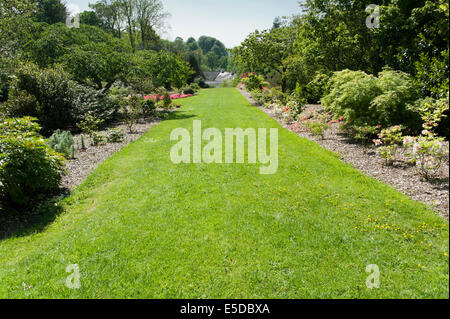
[230, 21]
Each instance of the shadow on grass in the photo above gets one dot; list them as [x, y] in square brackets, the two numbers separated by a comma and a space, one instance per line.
[22, 222]
[177, 115]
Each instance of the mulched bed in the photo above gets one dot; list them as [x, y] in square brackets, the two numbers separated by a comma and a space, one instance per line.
[402, 177]
[87, 160]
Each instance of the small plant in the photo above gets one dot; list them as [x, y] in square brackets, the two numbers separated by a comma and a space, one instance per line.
[167, 101]
[115, 135]
[388, 142]
[131, 110]
[62, 142]
[364, 134]
[90, 124]
[428, 152]
[195, 87]
[97, 139]
[82, 142]
[317, 128]
[148, 108]
[176, 105]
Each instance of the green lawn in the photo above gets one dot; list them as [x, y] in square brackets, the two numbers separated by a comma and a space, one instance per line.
[143, 227]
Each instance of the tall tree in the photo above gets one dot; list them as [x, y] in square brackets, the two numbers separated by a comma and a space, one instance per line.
[110, 13]
[266, 51]
[150, 16]
[51, 11]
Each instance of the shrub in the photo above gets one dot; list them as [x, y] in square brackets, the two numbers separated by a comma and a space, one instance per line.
[62, 142]
[317, 88]
[434, 114]
[254, 82]
[391, 107]
[97, 138]
[167, 101]
[56, 100]
[195, 87]
[115, 135]
[148, 108]
[363, 133]
[317, 128]
[82, 144]
[4, 87]
[90, 124]
[188, 90]
[428, 153]
[350, 96]
[131, 110]
[365, 100]
[29, 168]
[389, 142]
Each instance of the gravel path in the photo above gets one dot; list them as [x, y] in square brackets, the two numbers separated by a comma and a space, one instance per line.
[403, 178]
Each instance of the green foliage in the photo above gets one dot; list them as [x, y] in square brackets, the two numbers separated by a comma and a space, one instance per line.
[51, 11]
[428, 152]
[90, 124]
[148, 108]
[265, 51]
[29, 168]
[115, 135]
[131, 110]
[163, 97]
[317, 128]
[4, 86]
[389, 142]
[316, 89]
[254, 82]
[62, 142]
[82, 142]
[434, 114]
[365, 100]
[56, 100]
[187, 90]
[97, 63]
[363, 133]
[195, 87]
[432, 74]
[163, 68]
[97, 138]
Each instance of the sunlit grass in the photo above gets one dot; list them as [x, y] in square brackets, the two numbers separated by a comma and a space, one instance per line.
[143, 227]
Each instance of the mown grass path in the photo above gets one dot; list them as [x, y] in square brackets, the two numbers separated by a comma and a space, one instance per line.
[143, 227]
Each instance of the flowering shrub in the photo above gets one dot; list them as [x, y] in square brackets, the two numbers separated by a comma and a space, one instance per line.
[157, 97]
[428, 153]
[388, 142]
[434, 114]
[291, 111]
